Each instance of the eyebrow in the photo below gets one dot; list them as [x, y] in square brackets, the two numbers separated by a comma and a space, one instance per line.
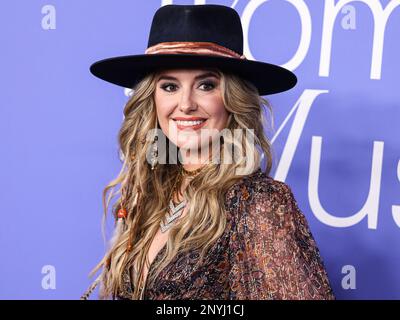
[199, 77]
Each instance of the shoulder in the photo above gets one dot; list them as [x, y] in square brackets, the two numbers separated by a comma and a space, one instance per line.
[259, 186]
[259, 196]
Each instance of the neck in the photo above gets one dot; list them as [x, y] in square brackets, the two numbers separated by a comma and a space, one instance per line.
[192, 166]
[193, 161]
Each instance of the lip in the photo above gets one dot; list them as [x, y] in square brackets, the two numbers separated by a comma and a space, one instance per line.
[189, 118]
[196, 127]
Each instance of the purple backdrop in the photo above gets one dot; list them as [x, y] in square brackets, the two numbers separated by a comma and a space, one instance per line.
[336, 141]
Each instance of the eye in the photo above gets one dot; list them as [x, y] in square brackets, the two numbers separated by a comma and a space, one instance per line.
[166, 85]
[208, 84]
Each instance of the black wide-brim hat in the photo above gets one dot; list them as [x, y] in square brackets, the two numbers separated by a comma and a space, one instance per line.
[195, 36]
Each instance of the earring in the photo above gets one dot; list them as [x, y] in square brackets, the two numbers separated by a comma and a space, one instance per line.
[154, 158]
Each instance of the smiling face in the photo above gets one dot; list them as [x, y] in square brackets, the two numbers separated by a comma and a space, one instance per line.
[189, 101]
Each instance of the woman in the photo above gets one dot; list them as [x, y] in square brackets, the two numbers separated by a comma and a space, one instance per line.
[207, 225]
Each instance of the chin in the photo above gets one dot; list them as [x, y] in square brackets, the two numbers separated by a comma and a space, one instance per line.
[188, 143]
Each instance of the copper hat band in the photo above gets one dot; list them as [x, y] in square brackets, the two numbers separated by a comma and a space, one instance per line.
[201, 48]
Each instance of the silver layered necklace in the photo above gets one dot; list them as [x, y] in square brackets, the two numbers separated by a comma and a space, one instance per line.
[175, 211]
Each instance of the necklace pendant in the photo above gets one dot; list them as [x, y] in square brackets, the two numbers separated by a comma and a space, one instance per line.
[164, 227]
[172, 215]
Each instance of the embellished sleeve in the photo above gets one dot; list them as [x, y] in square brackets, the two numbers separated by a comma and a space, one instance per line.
[273, 254]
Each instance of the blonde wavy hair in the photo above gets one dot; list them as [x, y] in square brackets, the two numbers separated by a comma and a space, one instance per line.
[145, 199]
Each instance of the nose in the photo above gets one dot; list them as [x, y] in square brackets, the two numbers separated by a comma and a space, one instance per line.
[187, 103]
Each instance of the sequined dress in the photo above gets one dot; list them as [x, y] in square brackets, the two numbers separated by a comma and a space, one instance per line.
[266, 252]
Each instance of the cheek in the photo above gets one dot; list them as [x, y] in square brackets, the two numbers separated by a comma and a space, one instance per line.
[163, 110]
[218, 113]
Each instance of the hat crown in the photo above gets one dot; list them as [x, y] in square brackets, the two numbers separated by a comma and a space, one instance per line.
[183, 36]
[197, 23]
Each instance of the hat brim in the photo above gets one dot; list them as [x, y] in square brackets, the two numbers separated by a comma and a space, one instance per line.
[126, 71]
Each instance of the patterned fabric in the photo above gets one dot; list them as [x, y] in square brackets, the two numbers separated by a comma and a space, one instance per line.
[266, 252]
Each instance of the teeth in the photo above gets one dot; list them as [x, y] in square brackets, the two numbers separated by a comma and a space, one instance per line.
[189, 123]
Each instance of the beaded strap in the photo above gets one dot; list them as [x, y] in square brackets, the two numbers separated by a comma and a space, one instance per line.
[89, 290]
